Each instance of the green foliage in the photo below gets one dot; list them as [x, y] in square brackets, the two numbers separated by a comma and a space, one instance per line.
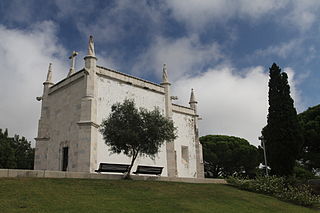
[228, 155]
[278, 187]
[262, 184]
[302, 174]
[15, 152]
[300, 195]
[7, 156]
[282, 133]
[310, 124]
[136, 132]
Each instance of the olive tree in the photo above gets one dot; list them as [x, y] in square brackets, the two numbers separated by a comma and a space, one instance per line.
[136, 132]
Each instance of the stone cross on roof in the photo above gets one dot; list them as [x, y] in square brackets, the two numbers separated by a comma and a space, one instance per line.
[73, 58]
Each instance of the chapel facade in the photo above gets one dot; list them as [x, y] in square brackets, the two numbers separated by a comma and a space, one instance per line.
[72, 110]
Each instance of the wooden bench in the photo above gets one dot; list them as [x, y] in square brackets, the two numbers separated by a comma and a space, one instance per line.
[113, 167]
[151, 170]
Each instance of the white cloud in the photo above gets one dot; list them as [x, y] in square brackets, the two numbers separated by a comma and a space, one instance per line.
[197, 14]
[24, 59]
[229, 103]
[121, 21]
[303, 14]
[258, 8]
[282, 50]
[183, 56]
[294, 92]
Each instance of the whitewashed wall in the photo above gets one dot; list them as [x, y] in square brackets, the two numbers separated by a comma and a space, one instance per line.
[186, 137]
[111, 91]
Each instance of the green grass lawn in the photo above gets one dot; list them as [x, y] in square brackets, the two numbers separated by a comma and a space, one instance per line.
[82, 195]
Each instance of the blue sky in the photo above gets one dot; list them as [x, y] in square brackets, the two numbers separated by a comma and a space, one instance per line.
[221, 48]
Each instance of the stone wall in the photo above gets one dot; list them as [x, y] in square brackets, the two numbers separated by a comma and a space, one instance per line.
[63, 113]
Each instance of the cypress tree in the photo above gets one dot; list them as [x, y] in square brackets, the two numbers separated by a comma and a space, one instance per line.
[282, 133]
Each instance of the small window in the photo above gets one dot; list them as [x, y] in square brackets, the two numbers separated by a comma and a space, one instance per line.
[65, 153]
[185, 154]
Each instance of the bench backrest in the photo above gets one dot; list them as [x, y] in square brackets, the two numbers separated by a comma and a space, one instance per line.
[149, 170]
[113, 167]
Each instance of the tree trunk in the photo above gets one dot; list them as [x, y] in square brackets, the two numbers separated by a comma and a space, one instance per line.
[134, 156]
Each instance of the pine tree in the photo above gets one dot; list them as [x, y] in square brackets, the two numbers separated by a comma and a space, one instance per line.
[282, 133]
[310, 124]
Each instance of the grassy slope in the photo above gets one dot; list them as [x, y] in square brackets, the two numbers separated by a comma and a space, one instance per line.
[80, 195]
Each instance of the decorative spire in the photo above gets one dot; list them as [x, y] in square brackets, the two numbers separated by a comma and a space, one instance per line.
[49, 75]
[91, 47]
[192, 98]
[47, 84]
[193, 102]
[164, 74]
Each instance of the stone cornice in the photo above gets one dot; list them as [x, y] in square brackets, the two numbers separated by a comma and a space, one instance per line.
[87, 123]
[42, 139]
[183, 110]
[130, 80]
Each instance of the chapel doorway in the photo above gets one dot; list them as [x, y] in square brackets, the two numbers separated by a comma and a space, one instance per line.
[65, 153]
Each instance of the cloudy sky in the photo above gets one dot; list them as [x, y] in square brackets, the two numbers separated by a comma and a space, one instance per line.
[221, 48]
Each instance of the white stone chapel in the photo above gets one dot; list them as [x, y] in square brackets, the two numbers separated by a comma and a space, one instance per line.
[72, 110]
